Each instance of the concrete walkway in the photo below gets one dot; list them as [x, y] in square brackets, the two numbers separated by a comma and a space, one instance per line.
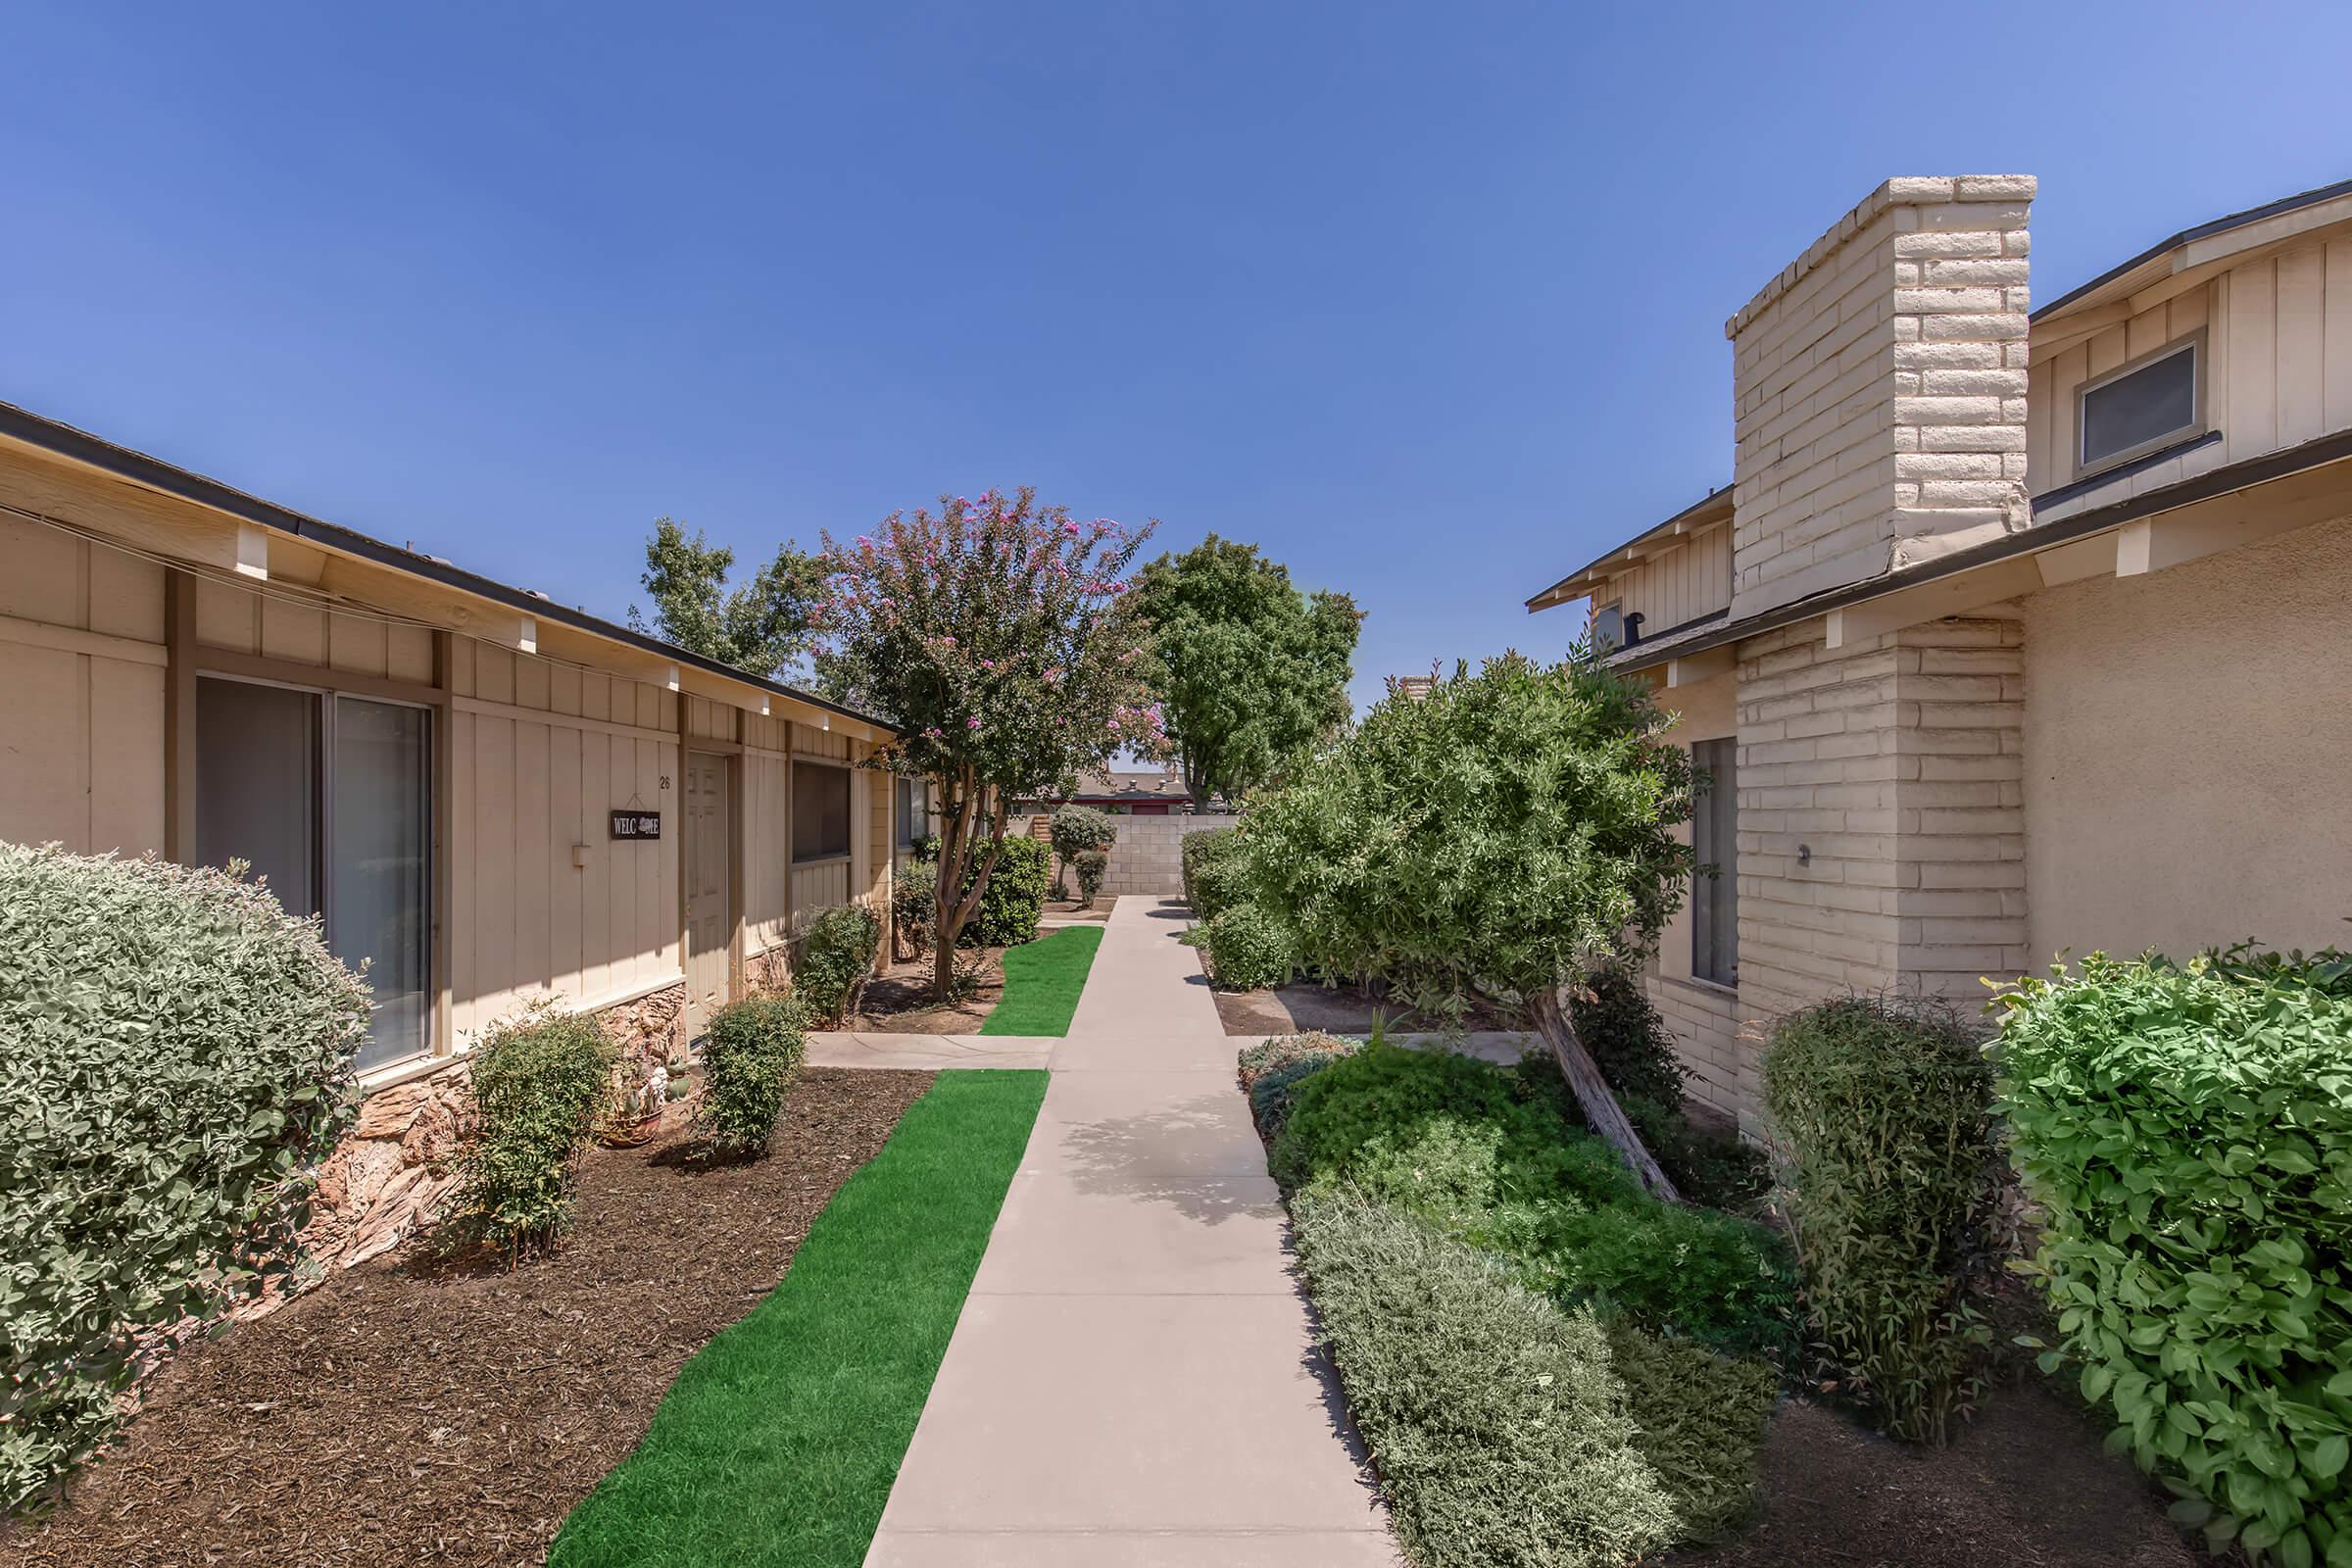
[1133, 1381]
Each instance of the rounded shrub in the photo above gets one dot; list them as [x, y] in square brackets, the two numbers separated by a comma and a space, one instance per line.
[837, 954]
[1212, 870]
[2188, 1132]
[1884, 1108]
[1248, 948]
[749, 1058]
[540, 1081]
[1015, 898]
[1078, 828]
[178, 1057]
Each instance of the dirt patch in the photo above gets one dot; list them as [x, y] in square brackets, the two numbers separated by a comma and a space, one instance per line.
[2026, 1484]
[1071, 910]
[898, 1001]
[414, 1413]
[1339, 1009]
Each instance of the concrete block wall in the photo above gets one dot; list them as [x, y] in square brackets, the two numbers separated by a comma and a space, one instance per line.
[1149, 856]
[1880, 390]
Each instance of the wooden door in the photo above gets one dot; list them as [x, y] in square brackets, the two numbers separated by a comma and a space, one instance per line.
[710, 905]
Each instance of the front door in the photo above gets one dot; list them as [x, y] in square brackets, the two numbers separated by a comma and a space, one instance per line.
[708, 907]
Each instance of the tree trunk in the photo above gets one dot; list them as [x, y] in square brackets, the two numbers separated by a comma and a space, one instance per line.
[1602, 1110]
[954, 908]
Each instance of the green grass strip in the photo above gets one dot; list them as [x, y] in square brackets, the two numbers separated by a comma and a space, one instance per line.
[1042, 982]
[780, 1439]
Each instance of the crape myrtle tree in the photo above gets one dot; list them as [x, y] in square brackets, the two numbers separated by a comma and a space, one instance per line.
[992, 634]
[1493, 841]
[759, 626]
[1248, 669]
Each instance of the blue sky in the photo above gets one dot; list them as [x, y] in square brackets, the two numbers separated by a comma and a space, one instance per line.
[1428, 300]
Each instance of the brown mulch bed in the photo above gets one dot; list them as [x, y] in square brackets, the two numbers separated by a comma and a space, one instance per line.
[416, 1412]
[898, 1001]
[2025, 1485]
[1072, 909]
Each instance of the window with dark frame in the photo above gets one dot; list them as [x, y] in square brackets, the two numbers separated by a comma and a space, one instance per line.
[821, 812]
[913, 810]
[2141, 408]
[1715, 840]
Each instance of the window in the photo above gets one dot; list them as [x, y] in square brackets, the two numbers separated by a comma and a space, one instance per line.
[329, 798]
[821, 811]
[2145, 405]
[1608, 626]
[1714, 837]
[913, 810]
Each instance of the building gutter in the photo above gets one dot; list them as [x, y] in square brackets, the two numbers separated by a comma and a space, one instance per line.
[2213, 483]
[79, 446]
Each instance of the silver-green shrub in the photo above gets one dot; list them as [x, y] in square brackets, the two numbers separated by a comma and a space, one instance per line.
[175, 1056]
[1502, 1434]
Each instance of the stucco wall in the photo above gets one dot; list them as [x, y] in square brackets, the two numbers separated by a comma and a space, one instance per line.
[2188, 753]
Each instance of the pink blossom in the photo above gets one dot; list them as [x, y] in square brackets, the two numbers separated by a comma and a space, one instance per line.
[972, 722]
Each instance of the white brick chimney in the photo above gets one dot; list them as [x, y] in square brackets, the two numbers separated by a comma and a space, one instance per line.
[1879, 385]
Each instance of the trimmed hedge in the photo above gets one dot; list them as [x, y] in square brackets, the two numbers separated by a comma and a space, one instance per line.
[1885, 1109]
[837, 954]
[1092, 865]
[179, 1056]
[1212, 870]
[1248, 950]
[2188, 1133]
[539, 1084]
[1501, 1434]
[749, 1057]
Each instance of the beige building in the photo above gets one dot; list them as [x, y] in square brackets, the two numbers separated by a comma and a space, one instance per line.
[487, 796]
[2015, 633]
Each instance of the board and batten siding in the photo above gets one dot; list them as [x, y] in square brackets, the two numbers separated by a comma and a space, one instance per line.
[2277, 371]
[82, 680]
[1691, 580]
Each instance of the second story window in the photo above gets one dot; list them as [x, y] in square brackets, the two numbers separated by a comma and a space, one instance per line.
[1608, 626]
[2143, 407]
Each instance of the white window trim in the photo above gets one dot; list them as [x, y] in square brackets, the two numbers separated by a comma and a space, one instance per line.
[2193, 344]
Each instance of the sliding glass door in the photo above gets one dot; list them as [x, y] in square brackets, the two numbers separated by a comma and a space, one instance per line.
[330, 799]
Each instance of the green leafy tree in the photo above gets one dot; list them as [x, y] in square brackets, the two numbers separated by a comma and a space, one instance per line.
[1248, 669]
[1494, 840]
[992, 634]
[762, 626]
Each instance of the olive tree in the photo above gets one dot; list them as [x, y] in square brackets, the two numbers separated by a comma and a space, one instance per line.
[991, 634]
[1493, 840]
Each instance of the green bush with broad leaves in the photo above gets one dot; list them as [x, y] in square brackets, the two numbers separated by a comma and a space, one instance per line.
[1212, 870]
[1884, 1108]
[540, 1082]
[1248, 949]
[836, 958]
[1015, 897]
[178, 1061]
[2188, 1132]
[750, 1055]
